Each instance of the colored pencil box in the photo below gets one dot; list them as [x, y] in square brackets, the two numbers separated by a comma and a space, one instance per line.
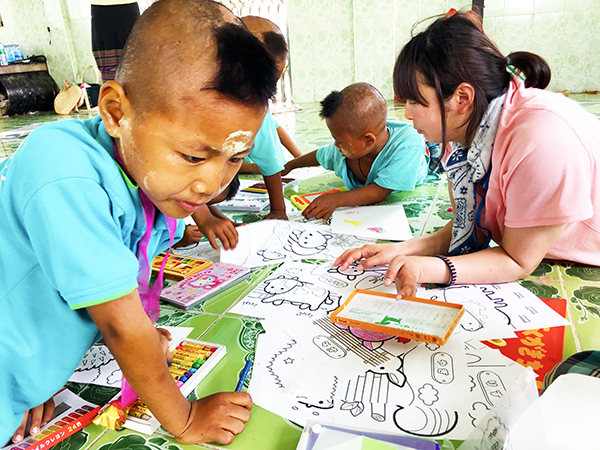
[262, 187]
[203, 285]
[413, 318]
[179, 267]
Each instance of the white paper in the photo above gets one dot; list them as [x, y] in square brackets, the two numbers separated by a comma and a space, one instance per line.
[304, 173]
[496, 311]
[99, 366]
[564, 417]
[275, 241]
[300, 293]
[493, 430]
[19, 132]
[355, 378]
[377, 222]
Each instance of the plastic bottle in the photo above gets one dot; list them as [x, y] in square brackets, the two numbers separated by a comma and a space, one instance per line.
[18, 53]
[10, 53]
[3, 58]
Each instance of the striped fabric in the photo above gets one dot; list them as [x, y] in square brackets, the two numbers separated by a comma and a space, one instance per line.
[107, 62]
[111, 26]
[585, 363]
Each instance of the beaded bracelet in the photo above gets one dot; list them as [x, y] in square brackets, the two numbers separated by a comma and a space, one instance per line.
[451, 267]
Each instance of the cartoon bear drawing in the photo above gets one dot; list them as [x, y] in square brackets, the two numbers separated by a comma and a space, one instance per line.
[307, 242]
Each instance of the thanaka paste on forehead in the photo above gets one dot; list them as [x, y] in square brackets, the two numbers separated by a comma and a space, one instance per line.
[237, 142]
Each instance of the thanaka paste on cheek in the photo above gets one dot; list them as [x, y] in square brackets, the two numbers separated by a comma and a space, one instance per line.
[149, 176]
[236, 142]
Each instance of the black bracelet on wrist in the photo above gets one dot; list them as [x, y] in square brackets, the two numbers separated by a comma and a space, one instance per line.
[451, 267]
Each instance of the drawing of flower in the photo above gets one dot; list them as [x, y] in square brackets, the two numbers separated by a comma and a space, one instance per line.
[379, 230]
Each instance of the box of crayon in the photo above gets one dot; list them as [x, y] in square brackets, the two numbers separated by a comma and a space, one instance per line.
[179, 267]
[192, 361]
[71, 414]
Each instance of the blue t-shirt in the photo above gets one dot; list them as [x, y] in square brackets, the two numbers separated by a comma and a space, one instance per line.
[267, 152]
[70, 223]
[401, 165]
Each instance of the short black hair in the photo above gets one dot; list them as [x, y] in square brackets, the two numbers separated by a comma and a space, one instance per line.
[247, 71]
[330, 104]
[276, 45]
[233, 188]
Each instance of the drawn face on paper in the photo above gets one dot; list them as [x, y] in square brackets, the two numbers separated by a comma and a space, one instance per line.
[206, 281]
[307, 242]
[282, 285]
[351, 273]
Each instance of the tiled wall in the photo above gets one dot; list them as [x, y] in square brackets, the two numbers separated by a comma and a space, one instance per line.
[336, 42]
[58, 29]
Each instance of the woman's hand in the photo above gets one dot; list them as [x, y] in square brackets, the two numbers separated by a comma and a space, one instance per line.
[406, 272]
[371, 255]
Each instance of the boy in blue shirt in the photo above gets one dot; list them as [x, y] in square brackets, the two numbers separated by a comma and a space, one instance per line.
[373, 156]
[85, 205]
[266, 158]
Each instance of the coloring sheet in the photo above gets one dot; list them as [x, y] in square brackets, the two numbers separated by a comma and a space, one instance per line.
[299, 293]
[275, 241]
[494, 311]
[491, 375]
[377, 222]
[352, 377]
[99, 366]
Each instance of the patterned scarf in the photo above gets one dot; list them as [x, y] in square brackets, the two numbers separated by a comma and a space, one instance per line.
[466, 167]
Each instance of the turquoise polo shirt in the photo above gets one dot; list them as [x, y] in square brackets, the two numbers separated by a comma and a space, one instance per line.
[401, 165]
[267, 152]
[70, 223]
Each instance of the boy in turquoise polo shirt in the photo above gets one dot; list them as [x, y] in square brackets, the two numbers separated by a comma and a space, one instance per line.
[85, 205]
[373, 156]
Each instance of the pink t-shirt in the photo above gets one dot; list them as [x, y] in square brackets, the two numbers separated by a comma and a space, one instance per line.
[546, 171]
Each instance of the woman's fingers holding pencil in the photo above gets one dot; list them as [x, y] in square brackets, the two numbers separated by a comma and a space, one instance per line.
[217, 418]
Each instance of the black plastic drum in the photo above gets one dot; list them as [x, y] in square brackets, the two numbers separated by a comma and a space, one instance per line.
[29, 91]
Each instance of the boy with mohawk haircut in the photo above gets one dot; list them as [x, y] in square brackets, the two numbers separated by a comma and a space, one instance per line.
[188, 99]
[266, 158]
[373, 156]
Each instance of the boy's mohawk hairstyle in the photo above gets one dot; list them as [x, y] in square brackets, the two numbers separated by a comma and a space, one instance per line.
[330, 104]
[247, 71]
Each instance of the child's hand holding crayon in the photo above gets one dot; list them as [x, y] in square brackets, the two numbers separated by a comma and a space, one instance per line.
[322, 207]
[216, 418]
